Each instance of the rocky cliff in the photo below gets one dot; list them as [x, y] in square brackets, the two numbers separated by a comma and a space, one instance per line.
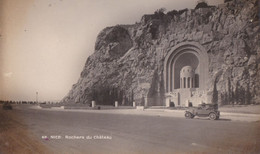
[128, 61]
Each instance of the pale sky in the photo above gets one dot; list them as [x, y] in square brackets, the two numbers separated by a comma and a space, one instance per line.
[44, 43]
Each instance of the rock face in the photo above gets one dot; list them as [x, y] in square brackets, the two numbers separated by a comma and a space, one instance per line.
[128, 62]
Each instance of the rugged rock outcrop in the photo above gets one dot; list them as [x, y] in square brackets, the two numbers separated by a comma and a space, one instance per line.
[128, 62]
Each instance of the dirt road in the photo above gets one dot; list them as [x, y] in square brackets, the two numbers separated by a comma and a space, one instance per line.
[15, 137]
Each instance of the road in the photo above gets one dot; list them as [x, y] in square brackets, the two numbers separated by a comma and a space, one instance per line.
[102, 132]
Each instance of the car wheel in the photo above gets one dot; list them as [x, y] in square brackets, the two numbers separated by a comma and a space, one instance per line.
[212, 116]
[188, 115]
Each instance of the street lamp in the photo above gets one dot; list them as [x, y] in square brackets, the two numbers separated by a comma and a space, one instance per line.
[36, 97]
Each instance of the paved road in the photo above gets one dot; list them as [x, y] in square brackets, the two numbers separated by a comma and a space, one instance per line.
[104, 132]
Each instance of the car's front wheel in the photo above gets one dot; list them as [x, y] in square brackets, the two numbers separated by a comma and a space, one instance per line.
[188, 115]
[212, 116]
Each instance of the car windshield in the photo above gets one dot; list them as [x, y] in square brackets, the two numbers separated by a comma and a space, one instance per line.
[208, 106]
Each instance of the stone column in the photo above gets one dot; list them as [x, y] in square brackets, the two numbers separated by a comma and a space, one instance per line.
[180, 83]
[134, 105]
[145, 102]
[184, 82]
[190, 82]
[187, 82]
[193, 82]
[167, 103]
[187, 103]
[93, 104]
[116, 103]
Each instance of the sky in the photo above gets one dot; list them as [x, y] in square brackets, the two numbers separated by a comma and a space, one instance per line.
[44, 43]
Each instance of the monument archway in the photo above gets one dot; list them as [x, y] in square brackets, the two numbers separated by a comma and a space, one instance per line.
[193, 56]
[185, 59]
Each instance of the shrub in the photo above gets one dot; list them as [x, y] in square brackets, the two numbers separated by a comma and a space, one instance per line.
[225, 1]
[202, 4]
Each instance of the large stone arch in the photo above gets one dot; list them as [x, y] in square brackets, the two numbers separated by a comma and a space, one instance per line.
[185, 53]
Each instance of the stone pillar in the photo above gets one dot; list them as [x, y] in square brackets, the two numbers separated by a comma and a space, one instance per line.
[167, 103]
[190, 82]
[116, 103]
[187, 103]
[134, 105]
[145, 102]
[182, 83]
[93, 104]
[185, 82]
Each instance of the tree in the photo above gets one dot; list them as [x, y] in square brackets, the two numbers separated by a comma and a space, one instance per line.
[248, 94]
[225, 1]
[236, 93]
[215, 93]
[202, 4]
[132, 96]
[162, 90]
[240, 94]
[160, 11]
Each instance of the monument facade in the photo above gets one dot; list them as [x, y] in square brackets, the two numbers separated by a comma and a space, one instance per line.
[186, 74]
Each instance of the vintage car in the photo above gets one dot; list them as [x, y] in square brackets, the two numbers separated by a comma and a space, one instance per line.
[203, 110]
[7, 106]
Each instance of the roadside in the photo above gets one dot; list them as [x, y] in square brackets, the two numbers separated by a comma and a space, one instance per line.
[247, 109]
[244, 109]
[165, 112]
[249, 117]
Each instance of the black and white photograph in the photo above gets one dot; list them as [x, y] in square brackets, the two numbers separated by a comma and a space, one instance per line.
[129, 76]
